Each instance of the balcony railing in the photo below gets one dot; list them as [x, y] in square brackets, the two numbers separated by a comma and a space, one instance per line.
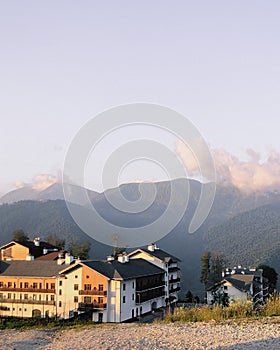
[173, 268]
[27, 301]
[141, 297]
[24, 290]
[93, 292]
[173, 290]
[174, 280]
[91, 306]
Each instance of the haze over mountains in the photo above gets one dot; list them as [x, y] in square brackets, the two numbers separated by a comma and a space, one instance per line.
[243, 226]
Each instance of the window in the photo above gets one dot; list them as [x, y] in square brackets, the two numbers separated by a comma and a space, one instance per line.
[133, 296]
[123, 299]
[60, 283]
[52, 297]
[76, 286]
[100, 300]
[87, 286]
[19, 309]
[20, 285]
[87, 276]
[47, 297]
[1, 295]
[20, 296]
[60, 292]
[35, 285]
[25, 296]
[40, 285]
[87, 300]
[52, 285]
[1, 284]
[124, 286]
[225, 288]
[25, 310]
[76, 276]
[47, 286]
[9, 295]
[34, 297]
[75, 299]
[9, 284]
[100, 287]
[133, 285]
[59, 303]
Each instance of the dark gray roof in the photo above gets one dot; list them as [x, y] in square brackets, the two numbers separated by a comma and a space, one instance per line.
[34, 250]
[239, 284]
[160, 254]
[35, 268]
[134, 268]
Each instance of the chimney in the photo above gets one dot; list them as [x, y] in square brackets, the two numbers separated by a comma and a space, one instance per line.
[29, 257]
[68, 258]
[151, 247]
[110, 258]
[37, 241]
[123, 258]
[60, 259]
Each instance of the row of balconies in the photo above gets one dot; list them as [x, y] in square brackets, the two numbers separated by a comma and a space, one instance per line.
[91, 306]
[37, 290]
[93, 292]
[27, 301]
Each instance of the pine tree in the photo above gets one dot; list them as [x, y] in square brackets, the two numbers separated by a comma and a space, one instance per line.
[205, 267]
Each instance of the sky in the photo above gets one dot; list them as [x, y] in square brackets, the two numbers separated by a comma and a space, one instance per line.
[215, 62]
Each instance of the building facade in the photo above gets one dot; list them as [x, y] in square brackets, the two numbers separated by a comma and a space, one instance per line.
[113, 290]
[168, 263]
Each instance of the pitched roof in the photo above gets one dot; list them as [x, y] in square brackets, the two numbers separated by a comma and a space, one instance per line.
[134, 268]
[158, 253]
[34, 250]
[51, 255]
[35, 268]
[240, 284]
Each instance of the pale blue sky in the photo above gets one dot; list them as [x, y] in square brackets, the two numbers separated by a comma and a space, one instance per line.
[62, 62]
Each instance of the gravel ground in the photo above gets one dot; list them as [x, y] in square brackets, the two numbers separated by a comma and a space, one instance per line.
[203, 336]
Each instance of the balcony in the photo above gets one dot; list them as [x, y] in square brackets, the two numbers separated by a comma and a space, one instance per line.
[173, 290]
[142, 296]
[89, 307]
[26, 290]
[93, 292]
[174, 280]
[173, 269]
[27, 301]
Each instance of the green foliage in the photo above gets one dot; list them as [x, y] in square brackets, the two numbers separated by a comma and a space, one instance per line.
[20, 236]
[80, 250]
[218, 263]
[189, 297]
[238, 309]
[271, 275]
[205, 267]
[56, 241]
[212, 265]
[246, 238]
[118, 250]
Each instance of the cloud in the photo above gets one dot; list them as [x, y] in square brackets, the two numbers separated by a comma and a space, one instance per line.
[249, 176]
[39, 182]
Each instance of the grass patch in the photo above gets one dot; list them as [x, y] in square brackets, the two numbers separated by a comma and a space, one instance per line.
[237, 310]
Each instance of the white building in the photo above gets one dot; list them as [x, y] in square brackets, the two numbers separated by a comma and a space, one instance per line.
[130, 288]
[238, 283]
[168, 263]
